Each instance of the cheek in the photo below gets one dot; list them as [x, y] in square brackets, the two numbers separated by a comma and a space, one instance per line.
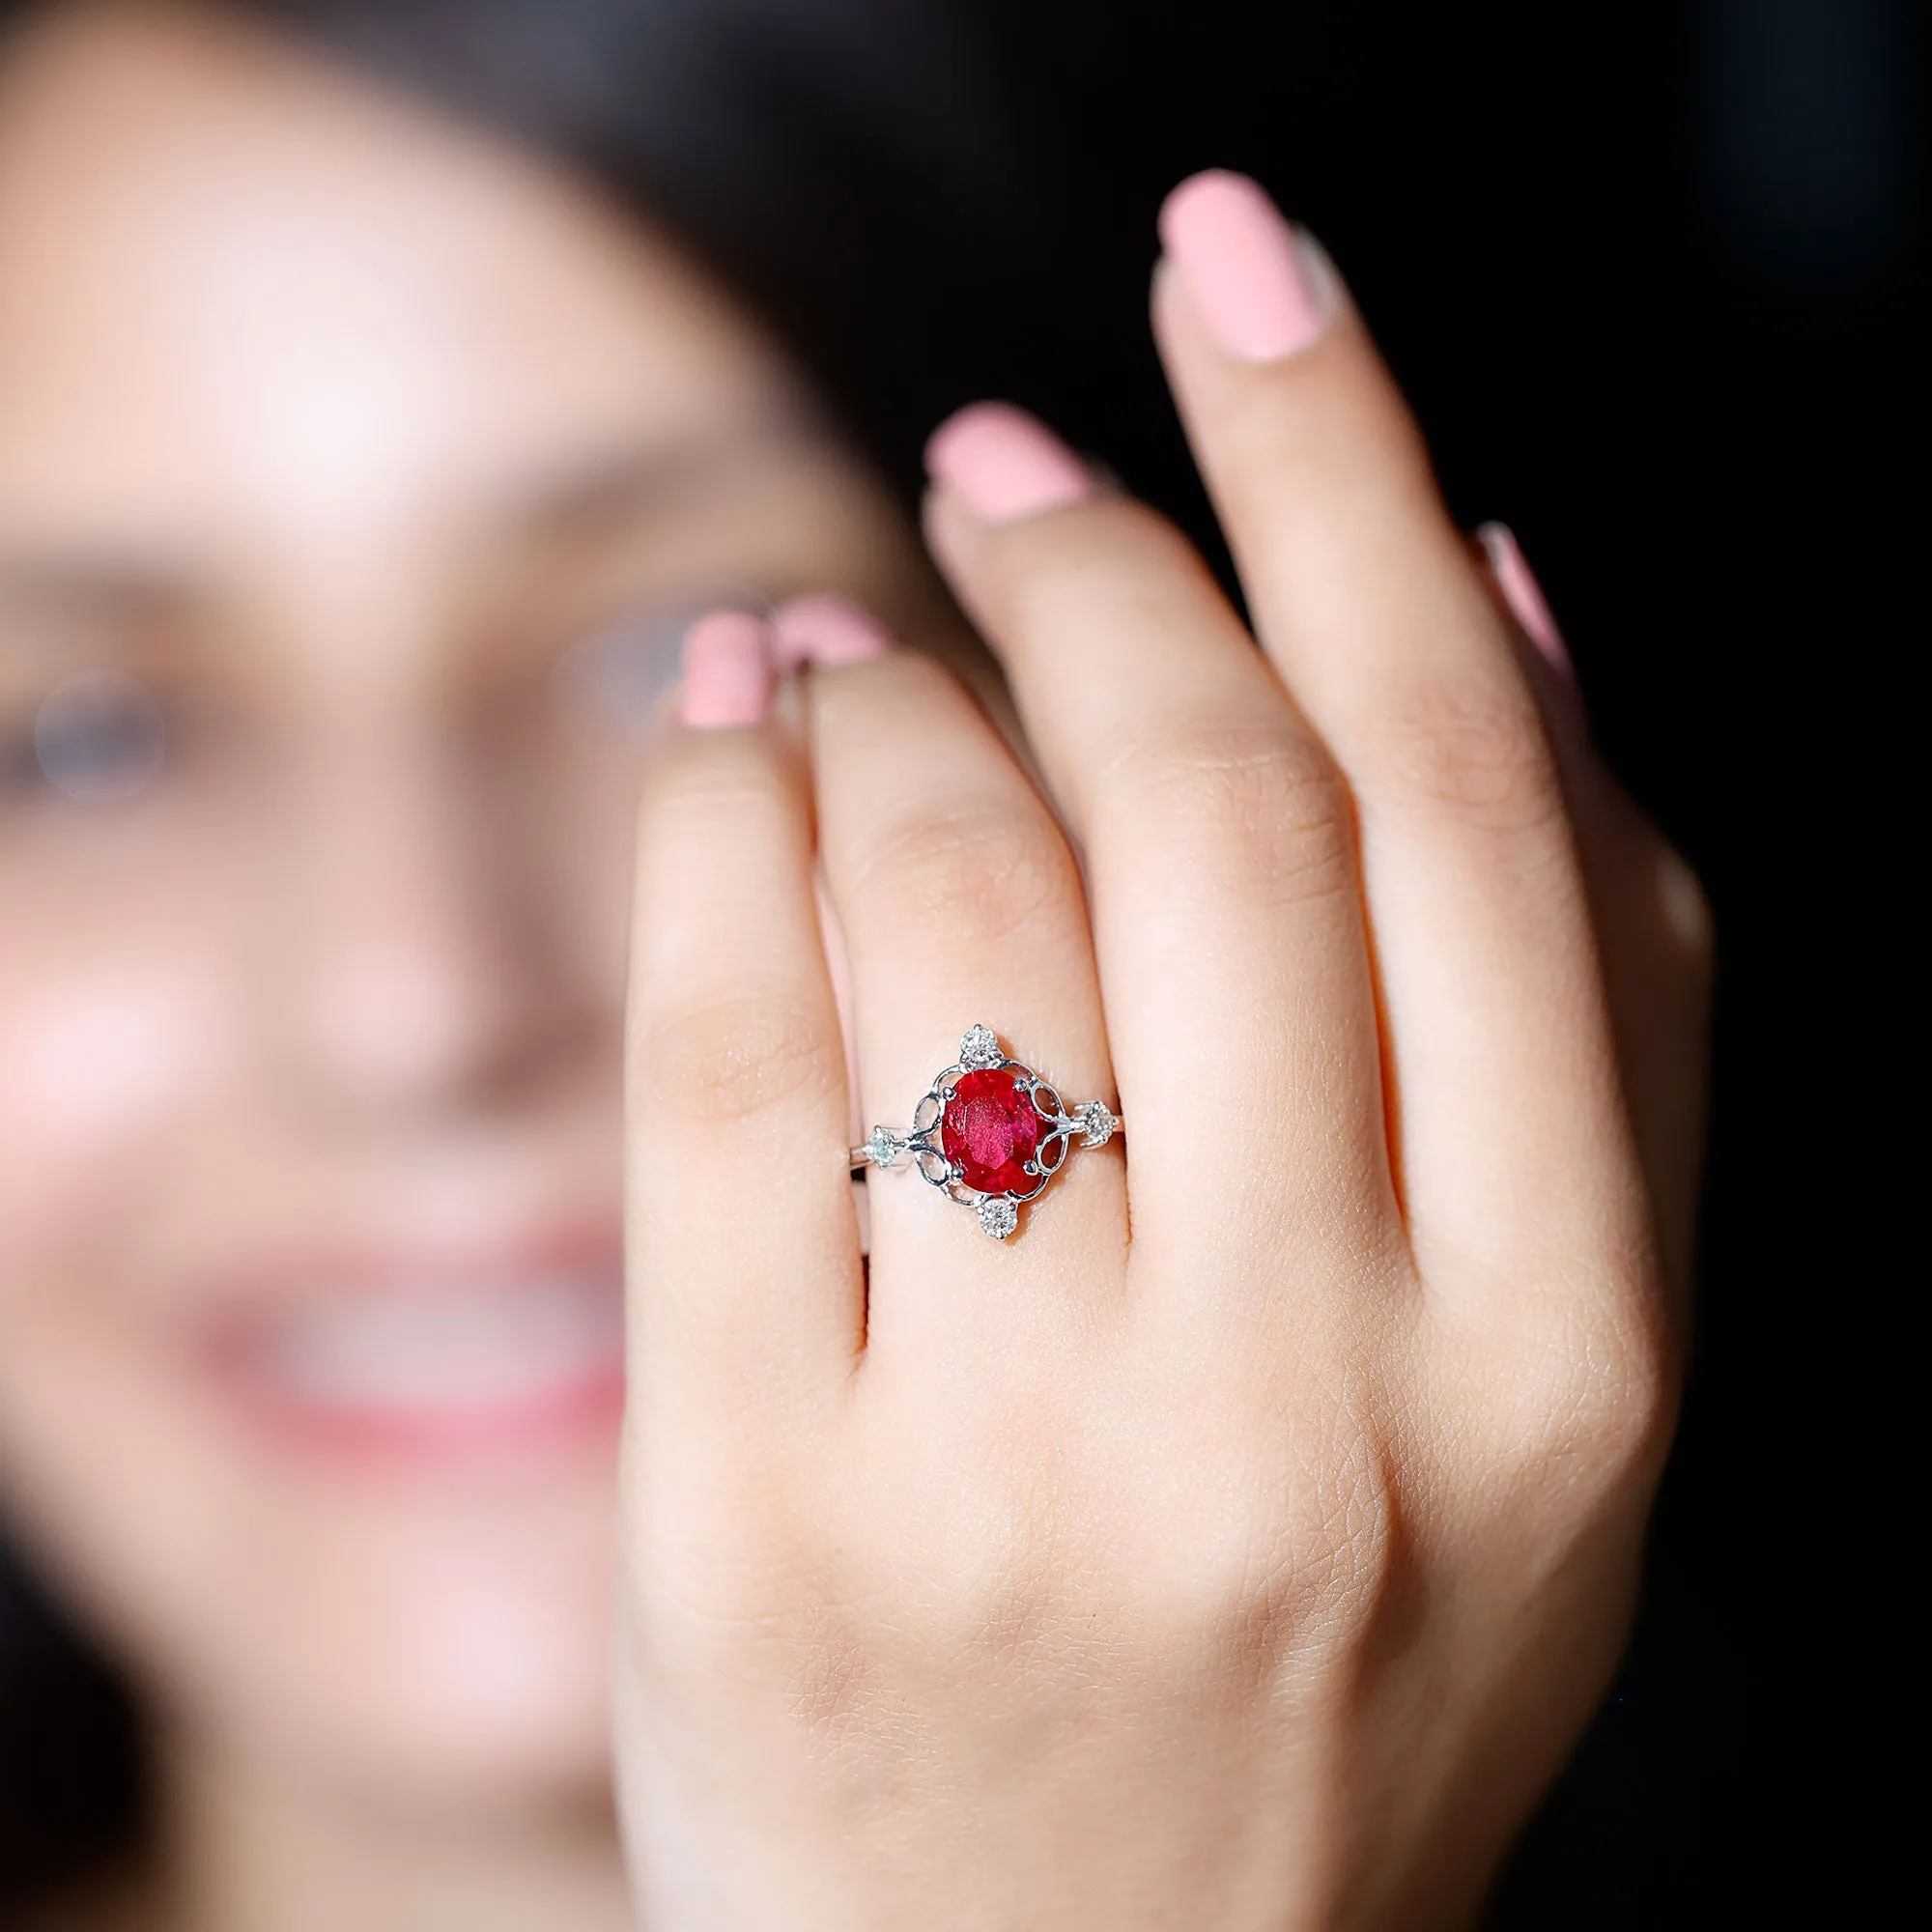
[96, 1065]
[94, 1057]
[99, 1068]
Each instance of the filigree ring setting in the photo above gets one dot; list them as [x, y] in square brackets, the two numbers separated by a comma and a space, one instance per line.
[990, 1133]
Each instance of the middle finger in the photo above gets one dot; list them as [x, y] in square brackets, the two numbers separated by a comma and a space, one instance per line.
[1219, 842]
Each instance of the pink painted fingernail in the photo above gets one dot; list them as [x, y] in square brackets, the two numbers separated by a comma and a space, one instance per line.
[727, 671]
[1261, 289]
[1523, 595]
[1003, 463]
[826, 631]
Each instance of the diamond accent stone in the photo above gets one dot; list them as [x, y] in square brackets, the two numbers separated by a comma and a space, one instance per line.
[980, 1047]
[1099, 1124]
[997, 1216]
[882, 1146]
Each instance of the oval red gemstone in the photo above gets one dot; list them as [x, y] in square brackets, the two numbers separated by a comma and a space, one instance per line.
[990, 1132]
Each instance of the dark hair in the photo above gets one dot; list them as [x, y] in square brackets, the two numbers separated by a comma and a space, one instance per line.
[892, 200]
[872, 177]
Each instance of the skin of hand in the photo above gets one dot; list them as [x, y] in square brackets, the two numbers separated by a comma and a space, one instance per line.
[1246, 1542]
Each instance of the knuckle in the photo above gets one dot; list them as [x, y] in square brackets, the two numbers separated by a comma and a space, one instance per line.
[1687, 910]
[1271, 1540]
[983, 869]
[731, 1059]
[1255, 806]
[1626, 1386]
[1649, 869]
[1477, 756]
[1608, 1405]
[1324, 1557]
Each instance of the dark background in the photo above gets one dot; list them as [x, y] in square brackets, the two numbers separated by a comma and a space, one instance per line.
[1653, 277]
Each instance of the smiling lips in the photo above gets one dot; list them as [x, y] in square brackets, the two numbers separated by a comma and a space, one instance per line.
[442, 1363]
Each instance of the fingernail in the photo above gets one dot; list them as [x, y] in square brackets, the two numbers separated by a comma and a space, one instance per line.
[1261, 289]
[727, 671]
[1003, 463]
[825, 632]
[1523, 595]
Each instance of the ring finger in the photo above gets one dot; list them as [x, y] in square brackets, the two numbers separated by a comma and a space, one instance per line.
[960, 904]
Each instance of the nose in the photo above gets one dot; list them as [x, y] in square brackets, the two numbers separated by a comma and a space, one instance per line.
[417, 975]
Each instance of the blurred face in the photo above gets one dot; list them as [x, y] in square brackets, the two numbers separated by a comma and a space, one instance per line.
[356, 477]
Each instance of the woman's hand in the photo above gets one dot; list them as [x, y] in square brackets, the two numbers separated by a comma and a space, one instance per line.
[1244, 1543]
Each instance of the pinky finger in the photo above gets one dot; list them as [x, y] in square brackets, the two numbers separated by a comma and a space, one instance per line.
[1654, 931]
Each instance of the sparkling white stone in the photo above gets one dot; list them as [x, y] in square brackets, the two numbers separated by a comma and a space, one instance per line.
[980, 1047]
[1097, 1124]
[998, 1215]
[882, 1146]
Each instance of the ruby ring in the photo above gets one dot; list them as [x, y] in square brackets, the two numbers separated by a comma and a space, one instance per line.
[990, 1132]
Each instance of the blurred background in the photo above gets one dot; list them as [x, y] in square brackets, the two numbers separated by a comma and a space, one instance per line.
[1653, 277]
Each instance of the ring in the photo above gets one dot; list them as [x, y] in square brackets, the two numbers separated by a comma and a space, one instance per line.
[990, 1132]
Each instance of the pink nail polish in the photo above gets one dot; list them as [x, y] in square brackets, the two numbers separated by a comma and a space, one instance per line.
[1261, 290]
[1523, 595]
[727, 671]
[1003, 463]
[825, 632]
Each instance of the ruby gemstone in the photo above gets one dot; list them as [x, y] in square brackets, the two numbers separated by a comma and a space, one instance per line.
[990, 1132]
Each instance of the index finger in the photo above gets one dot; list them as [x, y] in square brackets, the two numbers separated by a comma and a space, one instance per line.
[742, 1242]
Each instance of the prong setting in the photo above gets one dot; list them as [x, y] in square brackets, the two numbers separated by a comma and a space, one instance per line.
[982, 1048]
[992, 1121]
